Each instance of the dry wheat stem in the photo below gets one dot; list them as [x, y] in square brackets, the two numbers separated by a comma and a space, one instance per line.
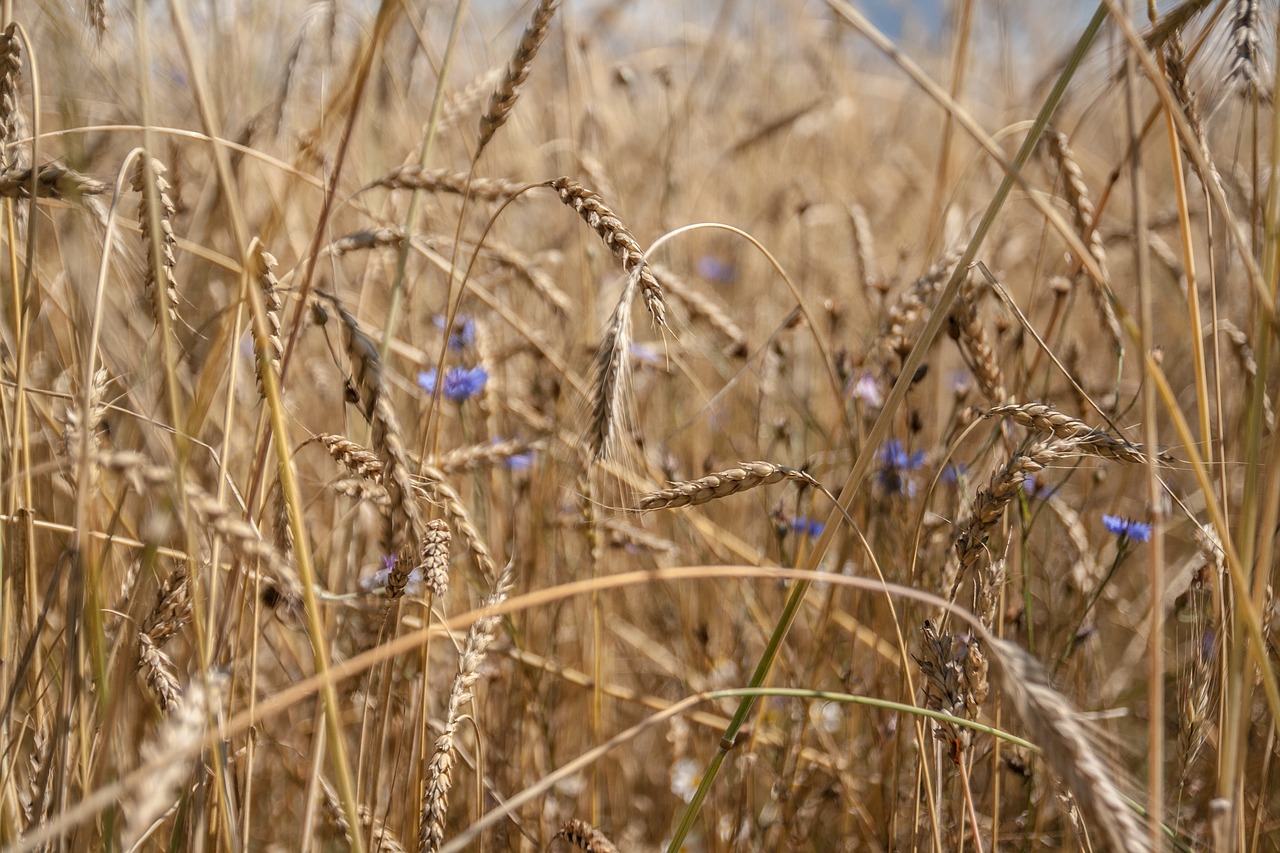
[748, 475]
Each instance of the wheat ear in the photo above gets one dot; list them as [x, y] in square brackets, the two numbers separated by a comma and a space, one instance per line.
[435, 800]
[584, 836]
[503, 99]
[1078, 434]
[748, 475]
[1055, 726]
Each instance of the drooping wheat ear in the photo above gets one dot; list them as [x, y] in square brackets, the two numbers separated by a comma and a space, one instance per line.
[169, 301]
[1249, 364]
[1055, 726]
[1078, 434]
[748, 475]
[435, 800]
[477, 457]
[702, 307]
[264, 264]
[363, 241]
[975, 345]
[989, 504]
[358, 461]
[363, 490]
[1245, 40]
[97, 11]
[504, 96]
[435, 486]
[13, 121]
[584, 836]
[407, 524]
[148, 799]
[620, 241]
[610, 378]
[864, 248]
[1085, 215]
[51, 182]
[448, 181]
[384, 840]
[623, 535]
[898, 335]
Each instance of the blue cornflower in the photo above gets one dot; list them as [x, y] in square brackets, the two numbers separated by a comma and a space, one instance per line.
[519, 461]
[714, 269]
[463, 334]
[895, 462]
[460, 383]
[1038, 489]
[807, 526]
[380, 578]
[952, 473]
[1127, 528]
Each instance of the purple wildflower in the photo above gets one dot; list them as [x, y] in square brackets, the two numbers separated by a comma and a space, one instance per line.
[807, 526]
[1126, 528]
[895, 463]
[866, 390]
[715, 269]
[463, 334]
[460, 383]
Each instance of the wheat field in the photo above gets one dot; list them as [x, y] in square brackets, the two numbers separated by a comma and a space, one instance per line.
[639, 426]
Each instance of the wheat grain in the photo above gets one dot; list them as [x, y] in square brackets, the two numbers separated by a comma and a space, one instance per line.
[1079, 435]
